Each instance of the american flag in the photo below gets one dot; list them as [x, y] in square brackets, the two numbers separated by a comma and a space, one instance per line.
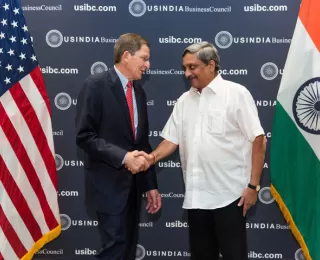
[29, 212]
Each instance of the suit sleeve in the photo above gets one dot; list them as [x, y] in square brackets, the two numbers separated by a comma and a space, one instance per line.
[88, 117]
[150, 177]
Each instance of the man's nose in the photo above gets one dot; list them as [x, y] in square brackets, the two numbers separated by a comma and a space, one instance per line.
[147, 64]
[187, 73]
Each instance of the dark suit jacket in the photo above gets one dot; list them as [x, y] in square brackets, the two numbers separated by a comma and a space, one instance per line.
[103, 131]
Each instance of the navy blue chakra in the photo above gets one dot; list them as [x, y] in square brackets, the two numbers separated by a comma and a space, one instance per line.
[306, 106]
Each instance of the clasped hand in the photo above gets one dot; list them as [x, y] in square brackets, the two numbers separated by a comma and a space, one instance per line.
[138, 161]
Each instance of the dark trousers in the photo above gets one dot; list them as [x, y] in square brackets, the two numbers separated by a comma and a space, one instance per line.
[119, 233]
[220, 230]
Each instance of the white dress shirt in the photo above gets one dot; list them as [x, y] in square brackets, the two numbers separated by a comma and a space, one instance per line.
[214, 131]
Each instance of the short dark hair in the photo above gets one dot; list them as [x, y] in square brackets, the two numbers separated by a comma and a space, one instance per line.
[130, 42]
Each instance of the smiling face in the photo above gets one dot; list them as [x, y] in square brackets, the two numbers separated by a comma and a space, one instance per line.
[137, 63]
[199, 73]
[131, 55]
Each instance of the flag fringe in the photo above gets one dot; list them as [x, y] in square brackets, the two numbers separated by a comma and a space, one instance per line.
[41, 242]
[287, 215]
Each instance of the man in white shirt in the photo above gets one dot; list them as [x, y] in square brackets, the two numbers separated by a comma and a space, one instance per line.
[222, 150]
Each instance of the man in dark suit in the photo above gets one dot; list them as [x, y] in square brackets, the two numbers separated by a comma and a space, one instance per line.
[111, 126]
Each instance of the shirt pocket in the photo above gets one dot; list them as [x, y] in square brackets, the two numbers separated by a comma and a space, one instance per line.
[215, 122]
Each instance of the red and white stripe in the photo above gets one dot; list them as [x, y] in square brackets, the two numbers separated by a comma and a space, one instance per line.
[28, 183]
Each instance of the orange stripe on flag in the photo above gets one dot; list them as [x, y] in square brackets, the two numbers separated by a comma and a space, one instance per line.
[309, 16]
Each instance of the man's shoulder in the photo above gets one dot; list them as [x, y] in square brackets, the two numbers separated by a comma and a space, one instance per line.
[183, 97]
[236, 88]
[98, 82]
[98, 77]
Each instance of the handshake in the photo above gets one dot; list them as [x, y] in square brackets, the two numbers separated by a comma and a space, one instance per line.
[138, 161]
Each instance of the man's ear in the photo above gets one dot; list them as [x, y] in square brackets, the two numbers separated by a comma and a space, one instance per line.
[212, 66]
[125, 56]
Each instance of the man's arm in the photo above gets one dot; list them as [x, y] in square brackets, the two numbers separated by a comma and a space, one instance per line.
[164, 149]
[258, 156]
[249, 196]
[249, 123]
[170, 136]
[88, 117]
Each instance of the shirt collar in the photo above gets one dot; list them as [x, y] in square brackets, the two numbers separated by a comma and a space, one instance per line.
[214, 85]
[123, 79]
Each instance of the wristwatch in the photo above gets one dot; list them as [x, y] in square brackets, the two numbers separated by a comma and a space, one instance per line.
[256, 188]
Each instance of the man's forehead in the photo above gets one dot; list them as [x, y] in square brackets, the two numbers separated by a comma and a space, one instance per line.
[187, 62]
[190, 57]
[144, 48]
[142, 53]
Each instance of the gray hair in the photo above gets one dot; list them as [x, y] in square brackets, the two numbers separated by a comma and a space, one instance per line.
[205, 52]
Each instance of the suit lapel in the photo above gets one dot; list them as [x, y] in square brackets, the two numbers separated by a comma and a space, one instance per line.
[121, 98]
[139, 101]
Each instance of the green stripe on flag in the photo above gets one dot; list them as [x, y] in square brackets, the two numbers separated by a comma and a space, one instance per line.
[295, 175]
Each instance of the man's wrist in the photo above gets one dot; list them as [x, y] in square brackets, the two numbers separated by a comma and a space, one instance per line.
[255, 178]
[127, 157]
[254, 187]
[154, 158]
[254, 183]
[124, 158]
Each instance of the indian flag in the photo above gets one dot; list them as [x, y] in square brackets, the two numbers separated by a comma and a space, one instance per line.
[295, 145]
